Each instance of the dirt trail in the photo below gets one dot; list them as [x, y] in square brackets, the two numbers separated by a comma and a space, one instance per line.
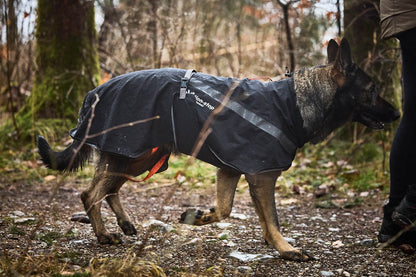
[343, 241]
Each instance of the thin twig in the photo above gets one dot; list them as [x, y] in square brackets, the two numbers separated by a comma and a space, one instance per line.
[385, 245]
[129, 124]
[206, 129]
[99, 201]
[97, 99]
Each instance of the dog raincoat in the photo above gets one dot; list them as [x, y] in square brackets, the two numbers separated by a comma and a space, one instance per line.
[258, 130]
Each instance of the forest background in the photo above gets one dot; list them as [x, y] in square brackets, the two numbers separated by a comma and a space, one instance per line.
[52, 52]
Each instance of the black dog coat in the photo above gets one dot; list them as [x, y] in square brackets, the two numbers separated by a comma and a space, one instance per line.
[259, 129]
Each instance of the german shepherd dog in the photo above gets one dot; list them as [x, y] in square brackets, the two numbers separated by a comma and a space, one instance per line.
[327, 96]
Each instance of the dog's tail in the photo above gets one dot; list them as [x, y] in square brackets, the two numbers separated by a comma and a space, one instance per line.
[67, 160]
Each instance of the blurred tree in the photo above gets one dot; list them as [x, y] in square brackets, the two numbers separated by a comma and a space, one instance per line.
[16, 60]
[66, 57]
[220, 37]
[9, 57]
[290, 47]
[308, 39]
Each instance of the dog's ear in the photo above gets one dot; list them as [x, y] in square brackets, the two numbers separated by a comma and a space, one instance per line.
[345, 55]
[332, 50]
[343, 64]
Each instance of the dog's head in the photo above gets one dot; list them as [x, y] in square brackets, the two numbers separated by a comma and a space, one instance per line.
[357, 88]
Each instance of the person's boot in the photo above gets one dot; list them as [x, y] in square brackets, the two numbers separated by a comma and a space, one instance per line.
[405, 214]
[389, 229]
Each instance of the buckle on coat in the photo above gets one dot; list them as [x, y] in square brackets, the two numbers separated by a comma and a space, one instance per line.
[184, 83]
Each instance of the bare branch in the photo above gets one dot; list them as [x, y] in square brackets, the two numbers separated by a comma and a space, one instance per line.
[206, 129]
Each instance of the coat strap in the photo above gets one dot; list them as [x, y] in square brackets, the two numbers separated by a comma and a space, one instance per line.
[184, 83]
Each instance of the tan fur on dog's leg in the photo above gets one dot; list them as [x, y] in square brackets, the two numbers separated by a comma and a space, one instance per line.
[262, 188]
[92, 199]
[227, 180]
[123, 219]
[105, 185]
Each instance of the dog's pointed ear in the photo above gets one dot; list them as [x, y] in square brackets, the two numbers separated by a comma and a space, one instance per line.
[343, 64]
[345, 55]
[332, 50]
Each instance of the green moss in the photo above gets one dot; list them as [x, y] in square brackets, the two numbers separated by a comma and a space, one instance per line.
[50, 237]
[67, 59]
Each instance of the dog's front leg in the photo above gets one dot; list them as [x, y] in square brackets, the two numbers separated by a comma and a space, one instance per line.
[262, 187]
[227, 180]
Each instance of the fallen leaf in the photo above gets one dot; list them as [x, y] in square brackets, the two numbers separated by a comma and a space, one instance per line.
[50, 178]
[337, 244]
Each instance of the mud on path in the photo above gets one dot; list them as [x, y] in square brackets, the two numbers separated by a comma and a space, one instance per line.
[43, 237]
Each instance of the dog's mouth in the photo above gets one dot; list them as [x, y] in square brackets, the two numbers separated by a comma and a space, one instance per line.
[370, 121]
[375, 119]
[375, 116]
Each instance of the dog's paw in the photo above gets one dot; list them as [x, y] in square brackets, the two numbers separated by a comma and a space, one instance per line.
[189, 216]
[127, 227]
[198, 217]
[297, 256]
[112, 238]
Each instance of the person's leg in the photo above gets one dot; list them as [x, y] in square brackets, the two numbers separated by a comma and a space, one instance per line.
[403, 151]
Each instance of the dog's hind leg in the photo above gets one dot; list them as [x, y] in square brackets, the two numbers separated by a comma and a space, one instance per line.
[227, 180]
[105, 185]
[262, 188]
[123, 220]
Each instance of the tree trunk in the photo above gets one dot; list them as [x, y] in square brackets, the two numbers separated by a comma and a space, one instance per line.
[66, 57]
[291, 49]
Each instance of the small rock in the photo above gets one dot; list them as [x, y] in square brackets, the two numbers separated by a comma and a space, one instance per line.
[327, 273]
[333, 229]
[289, 240]
[343, 272]
[222, 225]
[163, 226]
[79, 241]
[24, 220]
[245, 257]
[80, 217]
[244, 269]
[230, 244]
[238, 216]
[290, 201]
[367, 242]
[320, 241]
[193, 241]
[318, 217]
[320, 193]
[337, 244]
[16, 214]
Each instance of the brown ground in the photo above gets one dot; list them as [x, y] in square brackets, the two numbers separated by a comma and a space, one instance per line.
[343, 241]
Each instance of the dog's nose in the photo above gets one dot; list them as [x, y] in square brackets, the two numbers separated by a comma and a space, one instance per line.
[396, 115]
